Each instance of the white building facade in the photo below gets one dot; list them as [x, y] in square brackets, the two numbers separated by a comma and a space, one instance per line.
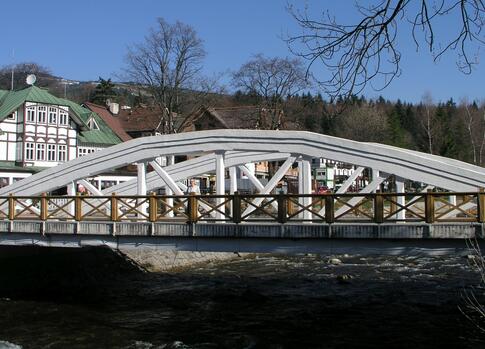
[39, 130]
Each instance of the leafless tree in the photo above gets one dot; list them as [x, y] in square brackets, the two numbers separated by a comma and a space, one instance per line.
[366, 123]
[427, 116]
[167, 62]
[473, 117]
[21, 70]
[366, 52]
[272, 79]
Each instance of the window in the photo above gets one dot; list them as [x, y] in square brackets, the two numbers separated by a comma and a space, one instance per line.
[62, 152]
[107, 184]
[40, 148]
[51, 152]
[41, 114]
[11, 116]
[92, 124]
[85, 151]
[29, 151]
[52, 115]
[82, 152]
[30, 114]
[63, 120]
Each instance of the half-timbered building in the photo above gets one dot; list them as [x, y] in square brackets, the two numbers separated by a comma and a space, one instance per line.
[39, 130]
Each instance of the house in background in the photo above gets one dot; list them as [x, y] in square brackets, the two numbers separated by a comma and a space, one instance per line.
[39, 130]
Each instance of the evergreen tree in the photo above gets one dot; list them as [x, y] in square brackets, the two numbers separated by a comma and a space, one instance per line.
[103, 91]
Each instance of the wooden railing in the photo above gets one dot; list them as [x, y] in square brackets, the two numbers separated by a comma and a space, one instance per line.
[429, 207]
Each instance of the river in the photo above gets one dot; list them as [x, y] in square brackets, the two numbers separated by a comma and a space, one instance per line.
[95, 300]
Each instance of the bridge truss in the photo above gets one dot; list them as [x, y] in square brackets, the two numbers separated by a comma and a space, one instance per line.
[218, 151]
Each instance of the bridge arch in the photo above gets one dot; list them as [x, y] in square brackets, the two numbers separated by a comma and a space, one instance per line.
[218, 149]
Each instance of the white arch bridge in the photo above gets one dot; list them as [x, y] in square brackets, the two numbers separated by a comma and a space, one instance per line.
[451, 206]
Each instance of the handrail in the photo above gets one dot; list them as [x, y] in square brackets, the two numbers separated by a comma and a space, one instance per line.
[426, 207]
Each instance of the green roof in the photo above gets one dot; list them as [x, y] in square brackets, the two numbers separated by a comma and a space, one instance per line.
[11, 100]
[12, 166]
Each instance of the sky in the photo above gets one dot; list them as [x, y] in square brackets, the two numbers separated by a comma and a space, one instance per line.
[84, 40]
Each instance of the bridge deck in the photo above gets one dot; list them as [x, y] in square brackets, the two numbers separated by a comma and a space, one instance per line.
[229, 237]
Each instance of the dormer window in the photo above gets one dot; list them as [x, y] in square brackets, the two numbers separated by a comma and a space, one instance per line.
[11, 116]
[92, 124]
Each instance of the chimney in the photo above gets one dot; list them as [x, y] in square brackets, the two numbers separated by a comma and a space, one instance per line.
[114, 108]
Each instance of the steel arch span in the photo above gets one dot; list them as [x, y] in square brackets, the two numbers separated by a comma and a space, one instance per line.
[218, 150]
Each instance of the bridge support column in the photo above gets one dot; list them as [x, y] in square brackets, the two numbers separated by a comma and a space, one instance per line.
[71, 191]
[305, 185]
[220, 183]
[141, 185]
[401, 200]
[170, 160]
[375, 175]
[233, 184]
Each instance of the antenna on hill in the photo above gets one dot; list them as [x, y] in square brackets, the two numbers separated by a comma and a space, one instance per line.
[31, 79]
[13, 68]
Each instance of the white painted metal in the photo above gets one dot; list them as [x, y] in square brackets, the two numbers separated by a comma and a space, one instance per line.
[170, 160]
[256, 182]
[401, 200]
[370, 188]
[272, 183]
[71, 191]
[350, 180]
[434, 170]
[252, 178]
[232, 183]
[142, 184]
[166, 178]
[305, 174]
[220, 184]
[233, 180]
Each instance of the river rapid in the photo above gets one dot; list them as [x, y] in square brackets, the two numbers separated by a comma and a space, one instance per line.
[95, 299]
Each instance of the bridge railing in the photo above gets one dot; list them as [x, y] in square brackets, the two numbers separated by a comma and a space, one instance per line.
[428, 207]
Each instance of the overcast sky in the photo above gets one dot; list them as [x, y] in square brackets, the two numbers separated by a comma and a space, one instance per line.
[82, 40]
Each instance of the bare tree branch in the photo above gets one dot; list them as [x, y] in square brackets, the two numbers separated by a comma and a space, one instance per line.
[366, 52]
[273, 79]
[167, 62]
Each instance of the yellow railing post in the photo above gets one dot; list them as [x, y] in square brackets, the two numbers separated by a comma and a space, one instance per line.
[114, 207]
[44, 209]
[282, 215]
[78, 215]
[11, 207]
[236, 207]
[329, 208]
[429, 207]
[152, 207]
[481, 205]
[378, 208]
[192, 208]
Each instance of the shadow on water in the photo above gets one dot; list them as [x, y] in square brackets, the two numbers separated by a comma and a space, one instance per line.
[94, 298]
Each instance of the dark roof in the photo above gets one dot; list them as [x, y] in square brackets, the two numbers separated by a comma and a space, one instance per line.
[144, 119]
[111, 120]
[140, 119]
[247, 117]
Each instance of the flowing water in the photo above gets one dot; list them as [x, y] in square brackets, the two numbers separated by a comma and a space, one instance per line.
[94, 300]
